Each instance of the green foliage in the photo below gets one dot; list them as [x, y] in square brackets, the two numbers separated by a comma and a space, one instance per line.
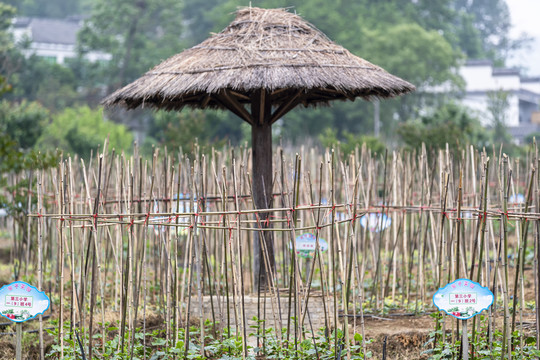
[81, 130]
[196, 13]
[138, 34]
[467, 36]
[497, 106]
[393, 305]
[16, 160]
[441, 348]
[450, 124]
[91, 77]
[350, 142]
[320, 345]
[187, 130]
[20, 128]
[421, 41]
[7, 13]
[225, 344]
[486, 30]
[23, 122]
[531, 138]
[72, 349]
[6, 45]
[421, 56]
[36, 79]
[49, 8]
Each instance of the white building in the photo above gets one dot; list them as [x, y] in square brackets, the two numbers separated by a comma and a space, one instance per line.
[53, 39]
[523, 95]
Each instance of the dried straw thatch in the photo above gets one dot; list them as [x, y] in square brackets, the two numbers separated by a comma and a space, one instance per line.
[262, 49]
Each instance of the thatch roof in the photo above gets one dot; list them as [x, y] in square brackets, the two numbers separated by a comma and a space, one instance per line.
[268, 49]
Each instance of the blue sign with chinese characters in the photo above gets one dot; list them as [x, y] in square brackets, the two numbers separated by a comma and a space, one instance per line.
[463, 299]
[306, 245]
[20, 301]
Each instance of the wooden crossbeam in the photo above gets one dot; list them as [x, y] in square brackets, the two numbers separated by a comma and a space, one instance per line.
[285, 107]
[230, 102]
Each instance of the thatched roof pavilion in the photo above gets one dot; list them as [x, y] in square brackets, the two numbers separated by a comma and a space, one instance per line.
[261, 66]
[262, 49]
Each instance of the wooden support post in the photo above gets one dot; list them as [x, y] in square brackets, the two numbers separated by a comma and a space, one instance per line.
[465, 341]
[18, 341]
[261, 144]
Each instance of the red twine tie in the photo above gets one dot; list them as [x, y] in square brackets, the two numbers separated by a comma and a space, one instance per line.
[146, 219]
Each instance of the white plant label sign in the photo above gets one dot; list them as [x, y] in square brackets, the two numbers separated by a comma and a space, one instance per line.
[20, 301]
[463, 299]
[306, 245]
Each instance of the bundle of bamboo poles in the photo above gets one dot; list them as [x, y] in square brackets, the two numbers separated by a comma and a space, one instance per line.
[122, 237]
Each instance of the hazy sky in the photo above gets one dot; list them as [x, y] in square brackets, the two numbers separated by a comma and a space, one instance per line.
[525, 16]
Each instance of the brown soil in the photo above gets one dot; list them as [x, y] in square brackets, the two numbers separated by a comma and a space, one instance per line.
[405, 336]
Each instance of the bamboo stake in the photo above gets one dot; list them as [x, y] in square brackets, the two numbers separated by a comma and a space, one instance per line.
[522, 248]
[410, 246]
[40, 257]
[507, 175]
[482, 227]
[537, 249]
[441, 246]
[239, 243]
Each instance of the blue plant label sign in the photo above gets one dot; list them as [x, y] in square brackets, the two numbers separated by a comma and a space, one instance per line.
[463, 299]
[20, 301]
[306, 245]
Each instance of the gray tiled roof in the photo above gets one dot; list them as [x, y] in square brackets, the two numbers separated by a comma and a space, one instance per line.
[505, 71]
[523, 130]
[51, 31]
[478, 62]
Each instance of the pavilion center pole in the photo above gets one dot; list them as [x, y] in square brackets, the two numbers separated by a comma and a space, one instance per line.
[261, 144]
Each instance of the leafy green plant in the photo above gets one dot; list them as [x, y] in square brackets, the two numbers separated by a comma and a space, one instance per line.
[152, 345]
[110, 349]
[318, 345]
[483, 347]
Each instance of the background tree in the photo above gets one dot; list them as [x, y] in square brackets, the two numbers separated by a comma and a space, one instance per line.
[81, 130]
[6, 47]
[52, 85]
[138, 34]
[50, 8]
[497, 107]
[489, 21]
[450, 124]
[423, 41]
[20, 127]
[198, 22]
[23, 123]
[185, 129]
